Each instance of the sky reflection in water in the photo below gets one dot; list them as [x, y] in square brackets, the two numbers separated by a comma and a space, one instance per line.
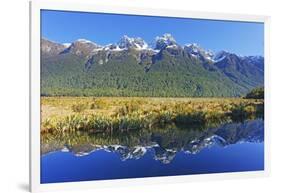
[231, 147]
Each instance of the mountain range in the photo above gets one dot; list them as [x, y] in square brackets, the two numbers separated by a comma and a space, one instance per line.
[132, 67]
[163, 146]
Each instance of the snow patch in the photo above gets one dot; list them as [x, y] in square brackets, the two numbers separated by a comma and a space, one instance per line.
[84, 41]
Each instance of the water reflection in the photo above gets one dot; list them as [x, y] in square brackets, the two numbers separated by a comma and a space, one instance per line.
[162, 144]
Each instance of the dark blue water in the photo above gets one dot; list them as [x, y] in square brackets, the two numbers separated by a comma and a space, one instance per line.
[230, 148]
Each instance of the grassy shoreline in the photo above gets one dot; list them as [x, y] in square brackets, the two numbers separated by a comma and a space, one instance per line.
[109, 114]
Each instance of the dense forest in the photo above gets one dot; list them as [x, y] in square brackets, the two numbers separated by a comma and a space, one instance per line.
[173, 71]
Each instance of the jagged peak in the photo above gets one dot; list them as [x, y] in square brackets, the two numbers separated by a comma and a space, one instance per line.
[166, 37]
[221, 55]
[197, 51]
[132, 42]
[137, 43]
[164, 41]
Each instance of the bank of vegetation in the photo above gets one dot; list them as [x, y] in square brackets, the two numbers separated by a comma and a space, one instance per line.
[109, 114]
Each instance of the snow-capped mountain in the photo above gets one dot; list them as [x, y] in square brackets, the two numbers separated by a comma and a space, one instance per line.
[239, 74]
[82, 47]
[196, 51]
[111, 47]
[163, 148]
[164, 41]
[136, 43]
[234, 66]
[220, 55]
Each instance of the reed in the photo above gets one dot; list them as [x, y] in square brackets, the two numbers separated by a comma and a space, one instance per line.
[126, 114]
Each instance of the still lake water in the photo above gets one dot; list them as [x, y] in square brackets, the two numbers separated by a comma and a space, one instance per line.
[231, 147]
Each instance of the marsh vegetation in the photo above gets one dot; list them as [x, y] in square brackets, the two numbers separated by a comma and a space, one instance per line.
[109, 114]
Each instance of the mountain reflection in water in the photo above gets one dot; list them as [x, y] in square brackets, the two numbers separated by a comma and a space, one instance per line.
[162, 144]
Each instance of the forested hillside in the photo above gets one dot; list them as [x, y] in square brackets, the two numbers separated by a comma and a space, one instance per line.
[132, 68]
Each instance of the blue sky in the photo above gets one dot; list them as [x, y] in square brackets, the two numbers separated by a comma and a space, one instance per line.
[243, 38]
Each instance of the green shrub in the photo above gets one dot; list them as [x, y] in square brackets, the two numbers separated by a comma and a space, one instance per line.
[257, 93]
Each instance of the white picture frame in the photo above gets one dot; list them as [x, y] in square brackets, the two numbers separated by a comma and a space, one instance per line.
[36, 6]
